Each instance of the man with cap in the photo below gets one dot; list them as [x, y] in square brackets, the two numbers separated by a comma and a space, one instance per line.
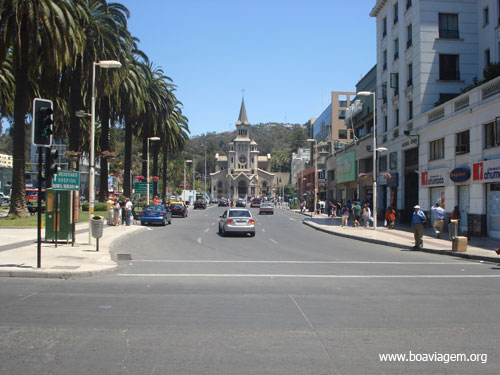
[439, 216]
[417, 222]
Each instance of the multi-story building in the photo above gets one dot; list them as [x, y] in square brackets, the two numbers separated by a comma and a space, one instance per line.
[6, 161]
[299, 162]
[429, 52]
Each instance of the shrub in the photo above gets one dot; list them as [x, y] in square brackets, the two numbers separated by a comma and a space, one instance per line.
[98, 206]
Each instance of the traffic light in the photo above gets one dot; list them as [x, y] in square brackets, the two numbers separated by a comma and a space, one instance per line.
[51, 155]
[41, 134]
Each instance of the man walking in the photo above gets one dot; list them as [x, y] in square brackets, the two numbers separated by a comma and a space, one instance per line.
[439, 216]
[128, 211]
[417, 222]
[356, 211]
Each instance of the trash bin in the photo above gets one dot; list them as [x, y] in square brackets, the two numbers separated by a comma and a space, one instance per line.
[453, 229]
[96, 226]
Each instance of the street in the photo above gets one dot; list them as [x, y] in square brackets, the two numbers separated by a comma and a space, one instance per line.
[291, 300]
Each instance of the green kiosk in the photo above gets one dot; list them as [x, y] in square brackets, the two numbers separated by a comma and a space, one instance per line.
[59, 220]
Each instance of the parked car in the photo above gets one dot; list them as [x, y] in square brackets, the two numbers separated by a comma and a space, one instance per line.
[155, 214]
[213, 201]
[236, 220]
[200, 203]
[266, 208]
[4, 198]
[256, 202]
[241, 203]
[223, 203]
[178, 209]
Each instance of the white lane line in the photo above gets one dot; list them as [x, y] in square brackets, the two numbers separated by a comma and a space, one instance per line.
[273, 241]
[150, 228]
[213, 223]
[292, 219]
[207, 229]
[249, 275]
[300, 262]
[199, 240]
[263, 230]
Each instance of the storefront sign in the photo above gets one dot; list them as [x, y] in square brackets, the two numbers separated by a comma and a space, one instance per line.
[346, 167]
[435, 177]
[460, 174]
[486, 171]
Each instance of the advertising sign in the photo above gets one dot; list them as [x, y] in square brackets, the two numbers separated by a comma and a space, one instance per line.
[346, 167]
[486, 171]
[432, 178]
[460, 174]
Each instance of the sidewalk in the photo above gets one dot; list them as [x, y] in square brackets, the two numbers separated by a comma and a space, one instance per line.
[402, 237]
[18, 253]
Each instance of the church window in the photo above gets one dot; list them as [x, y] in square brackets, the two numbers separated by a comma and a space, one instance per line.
[242, 162]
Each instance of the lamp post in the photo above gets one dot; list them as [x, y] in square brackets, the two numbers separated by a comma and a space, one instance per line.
[184, 185]
[147, 166]
[374, 148]
[315, 171]
[105, 64]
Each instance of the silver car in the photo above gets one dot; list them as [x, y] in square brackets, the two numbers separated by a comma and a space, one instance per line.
[237, 220]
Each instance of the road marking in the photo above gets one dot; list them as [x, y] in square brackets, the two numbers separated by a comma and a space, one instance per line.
[207, 229]
[250, 275]
[213, 223]
[273, 241]
[292, 219]
[301, 262]
[263, 230]
[199, 239]
[150, 228]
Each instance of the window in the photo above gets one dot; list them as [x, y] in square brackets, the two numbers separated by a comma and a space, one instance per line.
[409, 82]
[342, 133]
[396, 9]
[408, 4]
[385, 123]
[382, 163]
[487, 57]
[396, 49]
[486, 16]
[409, 36]
[448, 26]
[492, 134]
[341, 114]
[395, 83]
[393, 160]
[437, 149]
[449, 68]
[410, 109]
[384, 27]
[384, 92]
[462, 142]
[384, 56]
[396, 117]
[498, 11]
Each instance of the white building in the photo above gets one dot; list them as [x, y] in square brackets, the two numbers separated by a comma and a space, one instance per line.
[428, 51]
[299, 162]
[6, 161]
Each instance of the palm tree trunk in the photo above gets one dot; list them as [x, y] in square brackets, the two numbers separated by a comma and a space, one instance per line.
[127, 189]
[21, 107]
[76, 104]
[164, 173]
[104, 143]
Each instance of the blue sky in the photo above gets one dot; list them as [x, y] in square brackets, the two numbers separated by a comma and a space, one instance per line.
[287, 55]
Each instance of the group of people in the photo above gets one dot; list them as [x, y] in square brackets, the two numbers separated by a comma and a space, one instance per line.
[119, 209]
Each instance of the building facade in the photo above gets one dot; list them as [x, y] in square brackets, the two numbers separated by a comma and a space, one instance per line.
[242, 173]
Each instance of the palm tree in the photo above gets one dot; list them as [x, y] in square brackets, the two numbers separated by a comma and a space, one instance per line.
[38, 33]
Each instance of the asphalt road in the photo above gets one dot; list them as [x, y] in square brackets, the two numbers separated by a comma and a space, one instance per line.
[290, 300]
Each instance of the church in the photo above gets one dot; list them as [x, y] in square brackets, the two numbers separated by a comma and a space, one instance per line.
[242, 173]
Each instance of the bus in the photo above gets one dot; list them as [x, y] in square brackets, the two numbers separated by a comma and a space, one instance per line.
[32, 194]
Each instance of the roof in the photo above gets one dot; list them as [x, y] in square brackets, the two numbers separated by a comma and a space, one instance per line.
[377, 8]
[242, 119]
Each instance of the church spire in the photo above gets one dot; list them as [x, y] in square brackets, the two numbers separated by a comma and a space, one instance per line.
[242, 119]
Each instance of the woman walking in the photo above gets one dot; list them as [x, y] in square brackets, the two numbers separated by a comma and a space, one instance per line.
[366, 215]
[390, 217]
[345, 215]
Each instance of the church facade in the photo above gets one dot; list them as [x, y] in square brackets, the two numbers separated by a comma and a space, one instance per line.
[242, 173]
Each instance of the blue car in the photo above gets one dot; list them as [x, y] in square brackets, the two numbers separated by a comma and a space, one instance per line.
[156, 214]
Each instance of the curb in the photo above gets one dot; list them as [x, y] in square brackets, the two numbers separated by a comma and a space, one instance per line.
[392, 244]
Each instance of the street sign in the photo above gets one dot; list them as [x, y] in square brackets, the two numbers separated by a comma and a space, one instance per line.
[140, 187]
[66, 180]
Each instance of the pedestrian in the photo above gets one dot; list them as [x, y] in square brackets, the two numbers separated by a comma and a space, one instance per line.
[439, 216]
[418, 220]
[339, 208]
[345, 215]
[123, 202]
[156, 200]
[116, 212]
[390, 217]
[128, 211]
[302, 207]
[109, 206]
[366, 215]
[356, 211]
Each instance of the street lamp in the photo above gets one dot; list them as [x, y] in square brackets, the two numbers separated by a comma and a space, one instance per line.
[147, 166]
[311, 140]
[105, 64]
[374, 147]
[184, 186]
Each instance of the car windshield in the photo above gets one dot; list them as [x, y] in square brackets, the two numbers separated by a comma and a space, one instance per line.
[155, 207]
[176, 205]
[267, 205]
[239, 213]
